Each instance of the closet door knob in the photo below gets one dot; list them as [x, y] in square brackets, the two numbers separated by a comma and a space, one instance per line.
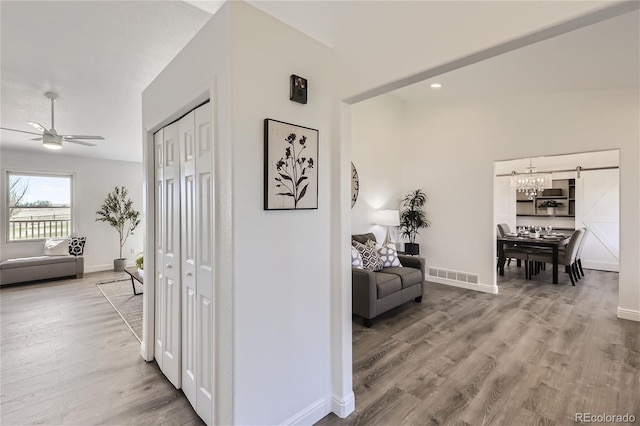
[169, 266]
[189, 274]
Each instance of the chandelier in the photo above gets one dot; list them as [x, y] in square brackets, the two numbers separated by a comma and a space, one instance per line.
[531, 182]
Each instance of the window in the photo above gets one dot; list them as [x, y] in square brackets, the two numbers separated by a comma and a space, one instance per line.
[40, 206]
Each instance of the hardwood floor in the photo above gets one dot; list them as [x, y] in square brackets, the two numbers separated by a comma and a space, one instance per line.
[537, 353]
[68, 358]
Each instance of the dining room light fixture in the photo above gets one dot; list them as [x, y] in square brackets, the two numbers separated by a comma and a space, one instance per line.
[435, 85]
[531, 182]
[387, 218]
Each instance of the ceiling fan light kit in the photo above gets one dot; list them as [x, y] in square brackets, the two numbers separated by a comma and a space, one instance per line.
[51, 142]
[50, 138]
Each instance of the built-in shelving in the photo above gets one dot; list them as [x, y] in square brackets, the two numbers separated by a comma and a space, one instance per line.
[563, 190]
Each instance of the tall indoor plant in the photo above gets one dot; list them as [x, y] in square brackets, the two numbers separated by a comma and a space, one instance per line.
[412, 219]
[117, 210]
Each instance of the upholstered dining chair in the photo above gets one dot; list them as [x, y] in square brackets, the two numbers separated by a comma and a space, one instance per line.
[514, 252]
[567, 257]
[579, 254]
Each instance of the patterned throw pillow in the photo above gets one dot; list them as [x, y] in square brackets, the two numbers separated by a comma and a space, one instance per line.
[370, 258]
[389, 256]
[76, 245]
[356, 259]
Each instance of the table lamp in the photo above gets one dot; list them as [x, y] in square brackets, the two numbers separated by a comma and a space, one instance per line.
[388, 218]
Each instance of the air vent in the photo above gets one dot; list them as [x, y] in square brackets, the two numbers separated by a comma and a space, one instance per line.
[446, 274]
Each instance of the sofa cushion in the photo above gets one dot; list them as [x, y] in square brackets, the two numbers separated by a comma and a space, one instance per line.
[76, 245]
[408, 276]
[389, 256]
[56, 247]
[37, 260]
[370, 258]
[363, 238]
[356, 259]
[387, 284]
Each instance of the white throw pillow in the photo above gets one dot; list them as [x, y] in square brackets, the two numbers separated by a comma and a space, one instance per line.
[56, 247]
[356, 259]
[389, 256]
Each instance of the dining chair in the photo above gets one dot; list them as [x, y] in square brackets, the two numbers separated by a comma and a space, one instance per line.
[567, 258]
[579, 254]
[512, 251]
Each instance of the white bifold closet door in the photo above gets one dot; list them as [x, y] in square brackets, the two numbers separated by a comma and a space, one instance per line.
[197, 262]
[168, 315]
[184, 243]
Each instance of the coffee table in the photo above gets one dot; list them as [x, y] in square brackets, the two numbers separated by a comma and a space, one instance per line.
[133, 273]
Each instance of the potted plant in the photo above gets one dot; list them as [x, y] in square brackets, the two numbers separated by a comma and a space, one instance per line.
[412, 219]
[551, 206]
[140, 264]
[117, 210]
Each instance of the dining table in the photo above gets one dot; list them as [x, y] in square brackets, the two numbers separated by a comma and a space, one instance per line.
[553, 241]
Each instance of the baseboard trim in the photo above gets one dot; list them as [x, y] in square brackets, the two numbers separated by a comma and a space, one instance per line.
[601, 266]
[311, 414]
[342, 408]
[628, 314]
[485, 288]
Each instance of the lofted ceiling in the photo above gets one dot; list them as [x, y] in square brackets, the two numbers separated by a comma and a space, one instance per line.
[602, 56]
[100, 55]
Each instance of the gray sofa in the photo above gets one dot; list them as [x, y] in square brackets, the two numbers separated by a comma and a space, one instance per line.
[40, 268]
[374, 293]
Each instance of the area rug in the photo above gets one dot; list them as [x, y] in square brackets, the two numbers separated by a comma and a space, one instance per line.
[128, 306]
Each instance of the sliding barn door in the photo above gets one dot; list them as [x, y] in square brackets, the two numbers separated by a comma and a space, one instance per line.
[204, 264]
[598, 210]
[171, 309]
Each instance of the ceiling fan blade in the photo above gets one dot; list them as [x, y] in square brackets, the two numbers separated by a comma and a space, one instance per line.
[79, 142]
[36, 139]
[38, 126]
[65, 137]
[21, 131]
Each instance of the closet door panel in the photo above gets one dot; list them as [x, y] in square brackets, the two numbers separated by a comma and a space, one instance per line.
[204, 208]
[158, 139]
[171, 362]
[188, 255]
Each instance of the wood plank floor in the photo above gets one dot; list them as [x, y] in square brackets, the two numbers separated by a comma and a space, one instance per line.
[537, 353]
[68, 358]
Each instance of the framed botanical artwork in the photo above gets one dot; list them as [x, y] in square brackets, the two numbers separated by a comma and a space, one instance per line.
[290, 166]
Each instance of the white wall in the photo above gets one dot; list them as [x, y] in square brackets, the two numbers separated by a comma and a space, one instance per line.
[278, 343]
[93, 180]
[464, 138]
[201, 70]
[282, 289]
[377, 135]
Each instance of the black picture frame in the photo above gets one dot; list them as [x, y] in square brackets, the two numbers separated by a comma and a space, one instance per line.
[290, 166]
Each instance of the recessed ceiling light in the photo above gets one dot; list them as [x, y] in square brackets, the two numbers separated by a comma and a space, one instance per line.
[436, 85]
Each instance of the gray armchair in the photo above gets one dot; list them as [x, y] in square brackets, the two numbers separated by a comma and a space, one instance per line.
[374, 293]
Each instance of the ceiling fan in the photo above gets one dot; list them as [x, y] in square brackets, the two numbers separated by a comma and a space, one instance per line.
[50, 138]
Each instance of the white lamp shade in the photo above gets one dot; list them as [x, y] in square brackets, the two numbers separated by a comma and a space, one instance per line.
[388, 218]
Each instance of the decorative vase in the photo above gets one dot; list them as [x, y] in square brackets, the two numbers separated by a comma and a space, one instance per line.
[551, 211]
[119, 264]
[412, 248]
[141, 272]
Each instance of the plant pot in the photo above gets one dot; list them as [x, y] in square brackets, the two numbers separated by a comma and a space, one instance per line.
[551, 211]
[119, 264]
[412, 248]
